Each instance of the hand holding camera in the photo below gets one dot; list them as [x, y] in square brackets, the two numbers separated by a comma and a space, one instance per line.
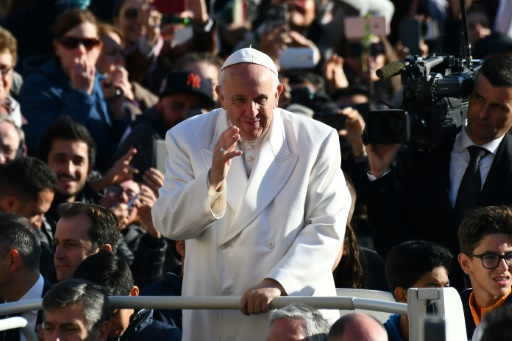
[117, 84]
[381, 157]
[354, 126]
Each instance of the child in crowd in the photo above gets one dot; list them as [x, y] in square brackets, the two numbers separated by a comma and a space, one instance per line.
[414, 264]
[485, 238]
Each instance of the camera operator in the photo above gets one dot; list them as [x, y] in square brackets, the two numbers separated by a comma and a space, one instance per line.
[416, 197]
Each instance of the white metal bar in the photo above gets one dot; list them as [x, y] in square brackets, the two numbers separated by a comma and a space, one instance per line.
[225, 302]
[19, 322]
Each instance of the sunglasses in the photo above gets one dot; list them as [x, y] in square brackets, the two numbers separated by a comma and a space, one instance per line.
[131, 13]
[72, 43]
[356, 50]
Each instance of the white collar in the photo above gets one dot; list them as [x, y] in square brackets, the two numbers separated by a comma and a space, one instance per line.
[462, 141]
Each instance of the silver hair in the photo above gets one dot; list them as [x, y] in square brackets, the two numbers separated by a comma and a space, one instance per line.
[317, 327]
[6, 118]
[93, 298]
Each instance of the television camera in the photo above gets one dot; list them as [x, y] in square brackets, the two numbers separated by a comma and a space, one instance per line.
[435, 100]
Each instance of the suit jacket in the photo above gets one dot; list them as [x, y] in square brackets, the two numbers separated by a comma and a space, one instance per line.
[39, 320]
[285, 222]
[412, 202]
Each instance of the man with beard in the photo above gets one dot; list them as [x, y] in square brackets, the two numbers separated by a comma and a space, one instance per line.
[69, 150]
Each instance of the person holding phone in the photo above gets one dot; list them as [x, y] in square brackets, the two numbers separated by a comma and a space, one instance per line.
[151, 49]
[69, 84]
[118, 89]
[285, 25]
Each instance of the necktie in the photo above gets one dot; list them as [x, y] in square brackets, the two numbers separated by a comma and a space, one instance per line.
[471, 183]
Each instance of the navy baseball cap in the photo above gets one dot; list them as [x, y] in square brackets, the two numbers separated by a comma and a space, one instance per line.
[179, 82]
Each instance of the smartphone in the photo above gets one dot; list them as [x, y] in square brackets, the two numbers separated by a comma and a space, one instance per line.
[358, 27]
[170, 6]
[145, 157]
[277, 16]
[299, 58]
[182, 35]
[411, 33]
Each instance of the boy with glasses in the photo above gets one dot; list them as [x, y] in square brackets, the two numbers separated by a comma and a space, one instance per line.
[485, 238]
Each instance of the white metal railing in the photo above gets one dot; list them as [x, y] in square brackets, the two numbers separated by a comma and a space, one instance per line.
[19, 322]
[224, 302]
[194, 302]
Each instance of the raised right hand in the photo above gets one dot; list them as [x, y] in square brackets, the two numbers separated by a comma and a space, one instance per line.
[223, 152]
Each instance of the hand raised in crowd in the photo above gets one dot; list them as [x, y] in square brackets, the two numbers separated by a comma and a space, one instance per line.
[151, 19]
[223, 152]
[334, 74]
[256, 300]
[119, 172]
[117, 81]
[380, 157]
[354, 131]
[153, 179]
[145, 200]
[273, 41]
[82, 73]
[198, 11]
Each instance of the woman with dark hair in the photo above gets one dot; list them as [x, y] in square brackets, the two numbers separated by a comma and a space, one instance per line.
[68, 84]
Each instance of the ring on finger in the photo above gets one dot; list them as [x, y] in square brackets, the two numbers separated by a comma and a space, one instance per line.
[222, 151]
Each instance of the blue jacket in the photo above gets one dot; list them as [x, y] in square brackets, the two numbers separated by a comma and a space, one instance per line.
[144, 327]
[169, 285]
[47, 93]
[392, 326]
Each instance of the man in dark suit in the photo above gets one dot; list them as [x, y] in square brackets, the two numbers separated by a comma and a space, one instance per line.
[20, 278]
[415, 199]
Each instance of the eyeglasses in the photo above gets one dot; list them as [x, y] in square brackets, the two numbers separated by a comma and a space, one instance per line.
[116, 191]
[72, 43]
[492, 260]
[4, 70]
[131, 13]
[355, 50]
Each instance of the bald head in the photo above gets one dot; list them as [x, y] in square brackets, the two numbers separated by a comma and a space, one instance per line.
[357, 327]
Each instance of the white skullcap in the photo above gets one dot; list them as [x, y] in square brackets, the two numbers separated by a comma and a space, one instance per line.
[250, 55]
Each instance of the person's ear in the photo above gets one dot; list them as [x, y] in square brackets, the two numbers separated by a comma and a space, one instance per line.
[10, 204]
[134, 291]
[279, 91]
[401, 294]
[103, 330]
[465, 263]
[13, 260]
[218, 91]
[107, 247]
[180, 247]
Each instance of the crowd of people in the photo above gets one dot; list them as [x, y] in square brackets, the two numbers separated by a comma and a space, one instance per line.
[268, 188]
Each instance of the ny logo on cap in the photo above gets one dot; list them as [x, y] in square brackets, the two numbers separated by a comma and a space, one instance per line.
[194, 80]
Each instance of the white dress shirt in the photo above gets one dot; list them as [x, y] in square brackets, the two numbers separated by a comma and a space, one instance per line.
[460, 160]
[34, 293]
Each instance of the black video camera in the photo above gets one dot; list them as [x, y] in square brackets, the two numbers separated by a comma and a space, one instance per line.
[435, 101]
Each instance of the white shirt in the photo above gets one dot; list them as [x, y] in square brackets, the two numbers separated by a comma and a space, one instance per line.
[460, 160]
[34, 293]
